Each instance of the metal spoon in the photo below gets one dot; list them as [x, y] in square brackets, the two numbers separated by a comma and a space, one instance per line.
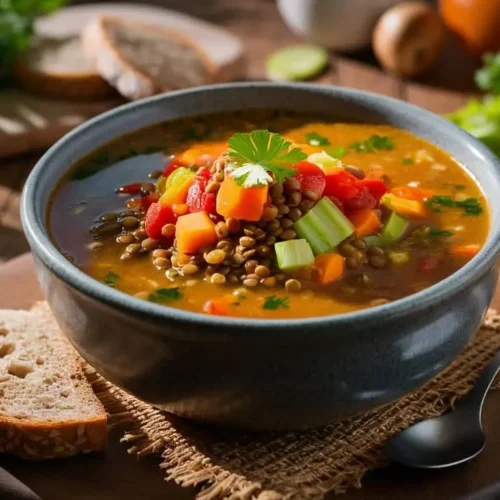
[450, 439]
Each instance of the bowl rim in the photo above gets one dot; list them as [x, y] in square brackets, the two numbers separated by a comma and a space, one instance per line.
[45, 250]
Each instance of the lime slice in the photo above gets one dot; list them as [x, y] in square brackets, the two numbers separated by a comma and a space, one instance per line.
[299, 62]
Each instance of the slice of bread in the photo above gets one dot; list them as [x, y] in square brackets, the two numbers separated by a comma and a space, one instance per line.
[58, 67]
[140, 60]
[47, 407]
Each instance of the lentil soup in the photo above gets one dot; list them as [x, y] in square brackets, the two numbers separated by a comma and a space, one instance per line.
[268, 215]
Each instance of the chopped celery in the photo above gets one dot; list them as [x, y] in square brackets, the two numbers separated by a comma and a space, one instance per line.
[398, 257]
[293, 255]
[324, 160]
[394, 229]
[324, 226]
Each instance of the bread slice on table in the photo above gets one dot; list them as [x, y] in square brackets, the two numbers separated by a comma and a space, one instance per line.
[140, 60]
[47, 407]
[58, 67]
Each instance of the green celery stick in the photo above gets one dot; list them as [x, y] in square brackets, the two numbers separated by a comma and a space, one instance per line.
[394, 229]
[293, 255]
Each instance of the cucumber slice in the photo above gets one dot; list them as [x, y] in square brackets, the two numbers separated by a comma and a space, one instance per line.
[293, 255]
[394, 229]
[299, 62]
[324, 226]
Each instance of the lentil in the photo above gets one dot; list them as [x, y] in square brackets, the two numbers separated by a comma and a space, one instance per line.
[161, 262]
[129, 222]
[124, 239]
[215, 256]
[295, 214]
[250, 266]
[357, 172]
[306, 205]
[125, 256]
[95, 245]
[270, 240]
[212, 187]
[250, 282]
[269, 282]
[150, 244]
[286, 223]
[189, 269]
[108, 217]
[311, 195]
[359, 244]
[218, 279]
[276, 190]
[377, 261]
[270, 213]
[221, 229]
[262, 271]
[247, 242]
[233, 225]
[264, 250]
[291, 184]
[171, 273]
[106, 228]
[160, 253]
[249, 253]
[293, 286]
[346, 249]
[140, 234]
[283, 209]
[289, 234]
[375, 251]
[133, 248]
[274, 224]
[294, 199]
[352, 263]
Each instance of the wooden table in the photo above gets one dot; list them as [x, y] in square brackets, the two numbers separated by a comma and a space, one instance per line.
[118, 476]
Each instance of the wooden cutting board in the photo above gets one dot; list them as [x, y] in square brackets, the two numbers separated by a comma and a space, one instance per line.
[29, 122]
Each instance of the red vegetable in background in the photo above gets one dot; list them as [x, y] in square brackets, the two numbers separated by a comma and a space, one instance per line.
[134, 188]
[341, 185]
[148, 200]
[171, 166]
[376, 187]
[197, 199]
[156, 217]
[311, 177]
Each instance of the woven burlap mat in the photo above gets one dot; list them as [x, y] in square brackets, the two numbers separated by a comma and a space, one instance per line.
[304, 465]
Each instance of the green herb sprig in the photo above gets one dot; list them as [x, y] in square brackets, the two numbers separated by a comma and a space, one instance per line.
[373, 143]
[165, 295]
[315, 139]
[258, 153]
[470, 206]
[273, 303]
[111, 278]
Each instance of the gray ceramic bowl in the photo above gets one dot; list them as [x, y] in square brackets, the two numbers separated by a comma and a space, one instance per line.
[264, 374]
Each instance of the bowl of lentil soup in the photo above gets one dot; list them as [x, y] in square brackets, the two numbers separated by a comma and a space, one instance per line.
[316, 254]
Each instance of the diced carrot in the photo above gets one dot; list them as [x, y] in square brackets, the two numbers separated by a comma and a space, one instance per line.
[402, 206]
[180, 208]
[366, 222]
[466, 251]
[193, 231]
[201, 154]
[412, 193]
[218, 307]
[177, 186]
[241, 203]
[330, 267]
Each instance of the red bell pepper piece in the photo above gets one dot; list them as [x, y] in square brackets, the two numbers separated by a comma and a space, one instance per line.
[156, 217]
[134, 188]
[363, 199]
[341, 185]
[148, 200]
[311, 177]
[376, 187]
[197, 199]
[171, 166]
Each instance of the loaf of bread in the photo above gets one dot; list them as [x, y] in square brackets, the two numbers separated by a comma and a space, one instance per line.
[57, 67]
[140, 60]
[47, 407]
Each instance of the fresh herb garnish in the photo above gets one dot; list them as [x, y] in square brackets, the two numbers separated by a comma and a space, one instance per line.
[111, 278]
[165, 295]
[259, 153]
[435, 232]
[314, 139]
[407, 161]
[375, 142]
[459, 187]
[272, 303]
[17, 18]
[336, 152]
[470, 206]
[488, 77]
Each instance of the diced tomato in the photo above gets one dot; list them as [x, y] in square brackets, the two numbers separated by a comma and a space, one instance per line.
[156, 217]
[134, 188]
[363, 199]
[311, 177]
[341, 185]
[218, 307]
[427, 264]
[197, 199]
[376, 187]
[148, 200]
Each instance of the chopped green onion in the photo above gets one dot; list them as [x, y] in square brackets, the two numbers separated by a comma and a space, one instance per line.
[272, 303]
[394, 229]
[324, 226]
[293, 255]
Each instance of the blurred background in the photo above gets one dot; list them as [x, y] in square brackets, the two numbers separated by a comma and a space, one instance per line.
[56, 71]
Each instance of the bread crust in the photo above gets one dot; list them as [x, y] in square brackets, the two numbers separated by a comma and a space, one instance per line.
[33, 438]
[129, 80]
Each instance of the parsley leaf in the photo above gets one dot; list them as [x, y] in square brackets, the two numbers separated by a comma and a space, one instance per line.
[272, 303]
[314, 139]
[434, 232]
[251, 175]
[165, 295]
[111, 278]
[336, 152]
[375, 142]
[488, 77]
[459, 186]
[470, 206]
[269, 151]
[407, 161]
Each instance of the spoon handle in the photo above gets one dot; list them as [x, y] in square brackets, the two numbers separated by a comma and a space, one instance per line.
[475, 398]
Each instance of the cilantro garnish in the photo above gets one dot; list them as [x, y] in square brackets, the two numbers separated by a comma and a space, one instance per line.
[165, 295]
[272, 303]
[470, 206]
[111, 278]
[314, 139]
[407, 161]
[375, 142]
[259, 153]
[336, 152]
[434, 232]
[459, 186]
